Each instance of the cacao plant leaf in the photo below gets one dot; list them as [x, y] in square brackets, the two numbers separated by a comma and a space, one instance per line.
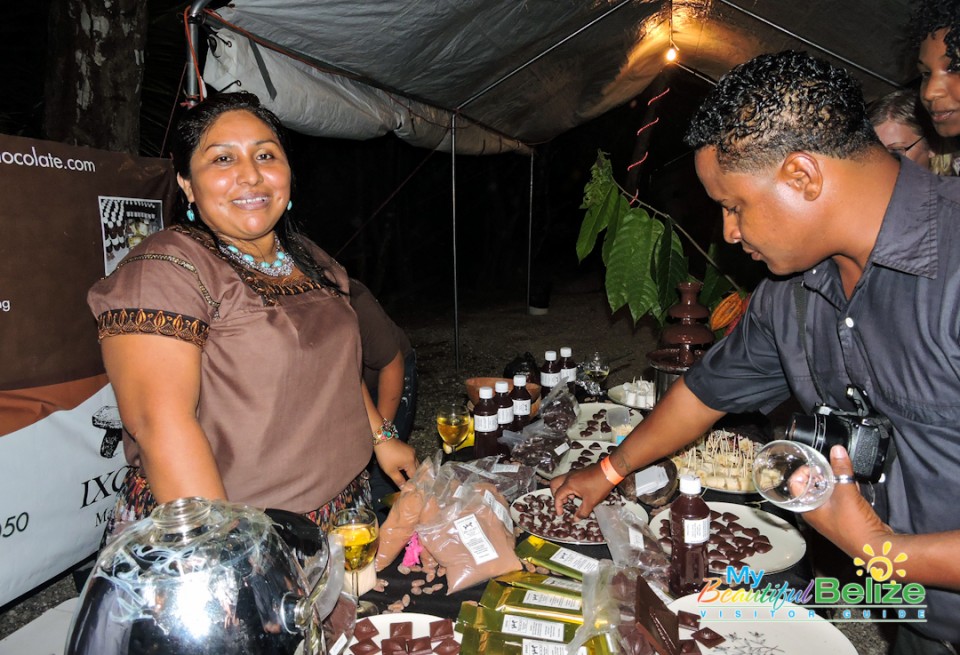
[604, 204]
[628, 278]
[670, 267]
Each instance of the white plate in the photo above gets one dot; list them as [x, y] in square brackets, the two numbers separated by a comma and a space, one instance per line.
[421, 626]
[515, 515]
[682, 470]
[570, 456]
[779, 634]
[618, 395]
[788, 544]
[587, 410]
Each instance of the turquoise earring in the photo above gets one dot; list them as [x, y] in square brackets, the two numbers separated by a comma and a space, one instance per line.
[289, 205]
[190, 215]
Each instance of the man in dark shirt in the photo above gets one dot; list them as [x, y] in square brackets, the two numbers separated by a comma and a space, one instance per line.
[784, 146]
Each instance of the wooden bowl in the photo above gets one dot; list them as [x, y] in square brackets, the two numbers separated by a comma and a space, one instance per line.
[474, 384]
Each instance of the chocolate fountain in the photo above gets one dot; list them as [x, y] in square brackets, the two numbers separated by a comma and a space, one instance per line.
[683, 341]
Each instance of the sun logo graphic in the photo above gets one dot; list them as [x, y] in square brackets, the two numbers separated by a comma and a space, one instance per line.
[881, 567]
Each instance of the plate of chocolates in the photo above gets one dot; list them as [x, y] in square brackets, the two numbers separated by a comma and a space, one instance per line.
[742, 536]
[593, 422]
[404, 634]
[581, 453]
[535, 513]
[790, 630]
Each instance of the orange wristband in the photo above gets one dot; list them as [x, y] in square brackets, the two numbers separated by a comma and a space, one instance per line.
[609, 472]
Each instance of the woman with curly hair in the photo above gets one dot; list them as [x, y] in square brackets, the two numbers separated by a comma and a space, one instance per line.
[939, 66]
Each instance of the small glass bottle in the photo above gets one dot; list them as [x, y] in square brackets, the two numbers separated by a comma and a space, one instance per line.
[485, 427]
[521, 403]
[549, 372]
[504, 404]
[689, 534]
[568, 367]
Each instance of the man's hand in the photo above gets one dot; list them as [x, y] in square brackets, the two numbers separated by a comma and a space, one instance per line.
[846, 518]
[588, 484]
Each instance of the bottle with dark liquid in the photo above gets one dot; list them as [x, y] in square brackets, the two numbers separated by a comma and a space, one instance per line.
[485, 427]
[521, 403]
[549, 373]
[689, 534]
[568, 368]
[504, 404]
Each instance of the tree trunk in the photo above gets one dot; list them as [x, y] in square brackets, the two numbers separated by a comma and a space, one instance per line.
[95, 72]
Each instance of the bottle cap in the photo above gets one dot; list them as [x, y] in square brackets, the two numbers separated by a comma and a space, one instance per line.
[689, 484]
[551, 355]
[565, 352]
[519, 380]
[486, 392]
[502, 387]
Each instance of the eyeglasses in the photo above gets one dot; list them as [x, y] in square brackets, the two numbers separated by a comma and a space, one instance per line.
[903, 150]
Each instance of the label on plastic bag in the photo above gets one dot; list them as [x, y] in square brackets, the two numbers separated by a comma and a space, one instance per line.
[534, 647]
[575, 560]
[561, 449]
[562, 583]
[551, 600]
[536, 628]
[474, 539]
[499, 510]
[636, 538]
[505, 468]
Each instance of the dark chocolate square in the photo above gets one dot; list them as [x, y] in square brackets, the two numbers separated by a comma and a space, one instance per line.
[402, 629]
[688, 620]
[364, 647]
[709, 638]
[440, 630]
[393, 646]
[689, 647]
[365, 630]
[448, 646]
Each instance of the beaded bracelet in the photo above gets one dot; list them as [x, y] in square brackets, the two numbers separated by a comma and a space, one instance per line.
[609, 472]
[385, 432]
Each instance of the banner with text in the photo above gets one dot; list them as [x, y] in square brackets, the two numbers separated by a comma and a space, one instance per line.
[68, 216]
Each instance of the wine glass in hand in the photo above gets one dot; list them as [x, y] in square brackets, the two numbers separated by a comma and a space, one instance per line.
[453, 424]
[793, 475]
[360, 531]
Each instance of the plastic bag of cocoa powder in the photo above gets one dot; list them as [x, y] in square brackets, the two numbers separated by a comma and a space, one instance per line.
[471, 534]
[404, 516]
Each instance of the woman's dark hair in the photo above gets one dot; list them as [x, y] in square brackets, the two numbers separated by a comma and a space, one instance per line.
[930, 16]
[191, 128]
[776, 104]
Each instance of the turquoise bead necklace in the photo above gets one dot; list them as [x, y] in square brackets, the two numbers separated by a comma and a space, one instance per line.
[280, 267]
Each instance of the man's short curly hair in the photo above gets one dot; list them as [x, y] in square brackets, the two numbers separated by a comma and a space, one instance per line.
[776, 104]
[930, 16]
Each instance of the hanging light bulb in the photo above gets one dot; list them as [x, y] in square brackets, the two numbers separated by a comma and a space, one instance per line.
[672, 52]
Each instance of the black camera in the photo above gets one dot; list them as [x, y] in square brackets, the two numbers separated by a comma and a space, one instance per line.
[864, 433]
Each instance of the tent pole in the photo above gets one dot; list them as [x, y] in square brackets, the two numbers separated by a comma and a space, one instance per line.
[192, 84]
[453, 243]
[530, 233]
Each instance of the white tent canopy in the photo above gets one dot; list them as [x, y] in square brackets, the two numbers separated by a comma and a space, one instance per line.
[515, 72]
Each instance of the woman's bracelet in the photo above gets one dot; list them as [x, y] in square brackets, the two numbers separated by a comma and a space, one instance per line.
[609, 472]
[385, 432]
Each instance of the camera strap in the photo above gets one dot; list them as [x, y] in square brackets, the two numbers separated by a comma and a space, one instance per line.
[800, 298]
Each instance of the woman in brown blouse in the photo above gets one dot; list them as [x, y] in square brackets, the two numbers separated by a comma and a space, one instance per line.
[230, 342]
